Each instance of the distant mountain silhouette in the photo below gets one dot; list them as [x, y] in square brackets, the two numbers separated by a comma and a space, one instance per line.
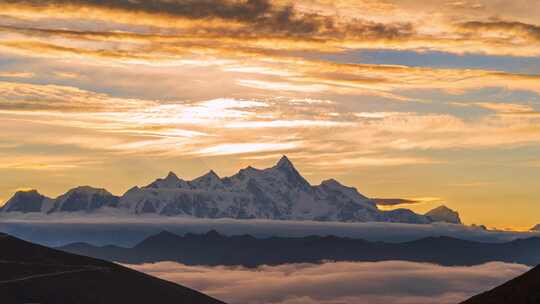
[32, 273]
[213, 248]
[524, 289]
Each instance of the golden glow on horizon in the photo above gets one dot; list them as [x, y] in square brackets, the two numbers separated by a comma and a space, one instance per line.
[398, 98]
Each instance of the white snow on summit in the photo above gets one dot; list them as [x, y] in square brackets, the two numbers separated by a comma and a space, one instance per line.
[278, 192]
[444, 214]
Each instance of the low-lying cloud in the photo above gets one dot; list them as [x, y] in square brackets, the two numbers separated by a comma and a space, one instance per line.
[125, 230]
[391, 282]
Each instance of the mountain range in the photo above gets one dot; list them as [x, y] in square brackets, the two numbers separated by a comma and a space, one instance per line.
[279, 193]
[214, 248]
[32, 273]
[36, 274]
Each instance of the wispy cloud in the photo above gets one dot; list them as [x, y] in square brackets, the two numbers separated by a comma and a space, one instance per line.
[243, 80]
[507, 108]
[262, 23]
[229, 126]
[16, 75]
[235, 148]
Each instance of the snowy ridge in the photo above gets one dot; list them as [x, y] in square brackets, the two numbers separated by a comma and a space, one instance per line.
[444, 214]
[278, 192]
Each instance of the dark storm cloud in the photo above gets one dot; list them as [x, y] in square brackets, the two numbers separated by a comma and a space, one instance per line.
[263, 16]
[244, 11]
[530, 31]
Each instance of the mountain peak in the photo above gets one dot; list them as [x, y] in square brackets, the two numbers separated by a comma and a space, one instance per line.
[161, 239]
[331, 182]
[208, 181]
[170, 181]
[25, 201]
[294, 178]
[87, 189]
[213, 174]
[213, 234]
[444, 214]
[171, 176]
[210, 175]
[284, 163]
[442, 208]
[32, 191]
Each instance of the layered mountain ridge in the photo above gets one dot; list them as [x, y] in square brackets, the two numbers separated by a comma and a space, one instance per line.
[213, 248]
[278, 193]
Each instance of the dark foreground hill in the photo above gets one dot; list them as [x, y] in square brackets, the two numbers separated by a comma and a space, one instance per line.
[31, 273]
[213, 248]
[524, 289]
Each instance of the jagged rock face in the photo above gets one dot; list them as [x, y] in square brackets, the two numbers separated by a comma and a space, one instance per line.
[80, 199]
[85, 199]
[171, 181]
[444, 214]
[536, 228]
[279, 192]
[25, 202]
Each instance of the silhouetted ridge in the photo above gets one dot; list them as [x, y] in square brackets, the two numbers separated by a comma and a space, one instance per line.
[524, 289]
[213, 248]
[213, 234]
[36, 274]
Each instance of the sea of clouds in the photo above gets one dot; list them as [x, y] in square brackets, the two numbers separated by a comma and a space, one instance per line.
[389, 282]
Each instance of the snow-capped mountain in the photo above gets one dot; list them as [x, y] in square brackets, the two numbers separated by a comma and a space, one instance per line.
[85, 199]
[444, 214]
[278, 192]
[25, 202]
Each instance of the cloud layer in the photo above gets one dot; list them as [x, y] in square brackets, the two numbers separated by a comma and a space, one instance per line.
[127, 231]
[391, 282]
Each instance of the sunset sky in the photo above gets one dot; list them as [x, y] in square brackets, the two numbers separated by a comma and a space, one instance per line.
[433, 101]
